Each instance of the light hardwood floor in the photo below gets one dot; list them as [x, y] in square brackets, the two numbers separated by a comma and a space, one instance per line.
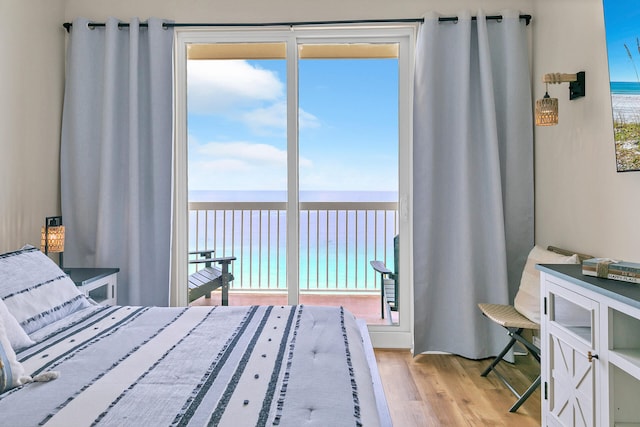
[447, 390]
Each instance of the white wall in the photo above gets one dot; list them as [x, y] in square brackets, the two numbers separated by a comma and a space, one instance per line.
[277, 10]
[581, 202]
[31, 84]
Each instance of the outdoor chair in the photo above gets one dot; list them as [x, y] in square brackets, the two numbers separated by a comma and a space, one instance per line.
[524, 315]
[209, 278]
[389, 295]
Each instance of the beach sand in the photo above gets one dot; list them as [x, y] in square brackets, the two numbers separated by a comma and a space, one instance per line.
[626, 108]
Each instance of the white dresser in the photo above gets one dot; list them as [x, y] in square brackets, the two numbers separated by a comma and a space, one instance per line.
[590, 349]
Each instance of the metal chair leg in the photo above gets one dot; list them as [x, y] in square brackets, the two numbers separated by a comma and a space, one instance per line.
[499, 357]
[515, 336]
[525, 395]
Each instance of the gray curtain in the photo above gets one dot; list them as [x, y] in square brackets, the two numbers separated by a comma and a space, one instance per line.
[116, 153]
[473, 178]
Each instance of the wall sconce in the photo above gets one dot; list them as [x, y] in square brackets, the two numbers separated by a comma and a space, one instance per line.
[547, 107]
[52, 236]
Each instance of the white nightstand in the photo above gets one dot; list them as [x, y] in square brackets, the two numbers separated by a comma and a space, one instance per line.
[99, 284]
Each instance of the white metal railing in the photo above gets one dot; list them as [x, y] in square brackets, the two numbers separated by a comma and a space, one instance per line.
[337, 241]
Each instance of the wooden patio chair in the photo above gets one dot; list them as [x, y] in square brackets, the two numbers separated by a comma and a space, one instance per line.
[210, 278]
[389, 295]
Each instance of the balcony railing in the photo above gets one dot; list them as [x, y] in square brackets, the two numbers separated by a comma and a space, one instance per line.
[337, 241]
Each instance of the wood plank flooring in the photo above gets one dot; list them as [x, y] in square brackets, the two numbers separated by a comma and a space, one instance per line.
[447, 390]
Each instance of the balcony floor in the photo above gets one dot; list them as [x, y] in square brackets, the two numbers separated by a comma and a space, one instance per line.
[365, 307]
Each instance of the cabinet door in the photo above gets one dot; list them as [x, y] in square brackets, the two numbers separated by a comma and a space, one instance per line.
[572, 352]
[572, 384]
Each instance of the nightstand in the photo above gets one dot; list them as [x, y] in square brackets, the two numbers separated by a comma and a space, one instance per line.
[99, 284]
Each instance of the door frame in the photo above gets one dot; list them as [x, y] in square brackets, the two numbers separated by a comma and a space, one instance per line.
[392, 336]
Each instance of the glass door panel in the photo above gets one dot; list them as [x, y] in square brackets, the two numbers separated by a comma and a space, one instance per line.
[348, 175]
[237, 163]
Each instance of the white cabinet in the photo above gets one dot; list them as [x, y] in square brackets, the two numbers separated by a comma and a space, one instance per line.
[590, 349]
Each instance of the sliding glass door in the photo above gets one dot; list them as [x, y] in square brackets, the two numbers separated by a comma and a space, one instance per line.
[295, 148]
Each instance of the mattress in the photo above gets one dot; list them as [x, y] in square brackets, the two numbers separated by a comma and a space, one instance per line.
[197, 366]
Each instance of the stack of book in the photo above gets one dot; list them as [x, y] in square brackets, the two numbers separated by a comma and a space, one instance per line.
[611, 269]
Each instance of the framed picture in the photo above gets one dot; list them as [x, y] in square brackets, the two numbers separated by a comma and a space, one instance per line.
[622, 26]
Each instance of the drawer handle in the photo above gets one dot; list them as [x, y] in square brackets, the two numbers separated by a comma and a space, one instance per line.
[591, 356]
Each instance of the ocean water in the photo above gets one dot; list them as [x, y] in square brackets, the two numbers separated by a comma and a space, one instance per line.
[625, 88]
[335, 247]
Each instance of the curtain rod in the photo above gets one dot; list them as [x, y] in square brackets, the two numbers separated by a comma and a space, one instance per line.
[527, 18]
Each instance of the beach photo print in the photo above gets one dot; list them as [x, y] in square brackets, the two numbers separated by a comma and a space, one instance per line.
[622, 25]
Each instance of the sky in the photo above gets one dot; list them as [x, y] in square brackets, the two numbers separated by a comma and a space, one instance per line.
[348, 120]
[622, 24]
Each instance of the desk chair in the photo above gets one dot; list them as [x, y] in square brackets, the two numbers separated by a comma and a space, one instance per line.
[525, 313]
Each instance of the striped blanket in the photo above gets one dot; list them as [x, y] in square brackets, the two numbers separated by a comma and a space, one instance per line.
[221, 366]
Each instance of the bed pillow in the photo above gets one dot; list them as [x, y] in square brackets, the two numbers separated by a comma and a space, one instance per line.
[527, 300]
[36, 291]
[11, 371]
[17, 336]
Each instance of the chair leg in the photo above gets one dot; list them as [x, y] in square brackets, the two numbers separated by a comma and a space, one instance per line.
[225, 283]
[499, 357]
[515, 336]
[525, 395]
[535, 351]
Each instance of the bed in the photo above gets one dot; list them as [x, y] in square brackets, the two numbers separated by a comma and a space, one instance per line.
[79, 364]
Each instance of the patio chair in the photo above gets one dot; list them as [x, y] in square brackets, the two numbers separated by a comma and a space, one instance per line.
[389, 295]
[524, 315]
[210, 278]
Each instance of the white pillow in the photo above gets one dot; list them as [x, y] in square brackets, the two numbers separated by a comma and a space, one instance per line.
[527, 300]
[11, 371]
[35, 290]
[17, 336]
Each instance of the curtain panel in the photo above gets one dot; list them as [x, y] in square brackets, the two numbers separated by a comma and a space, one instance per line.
[473, 178]
[116, 154]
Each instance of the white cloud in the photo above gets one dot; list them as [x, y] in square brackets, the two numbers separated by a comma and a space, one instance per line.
[245, 151]
[349, 178]
[307, 120]
[223, 86]
[243, 165]
[274, 117]
[271, 117]
[238, 165]
[216, 85]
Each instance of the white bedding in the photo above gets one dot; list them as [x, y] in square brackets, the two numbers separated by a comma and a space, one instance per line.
[227, 366]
